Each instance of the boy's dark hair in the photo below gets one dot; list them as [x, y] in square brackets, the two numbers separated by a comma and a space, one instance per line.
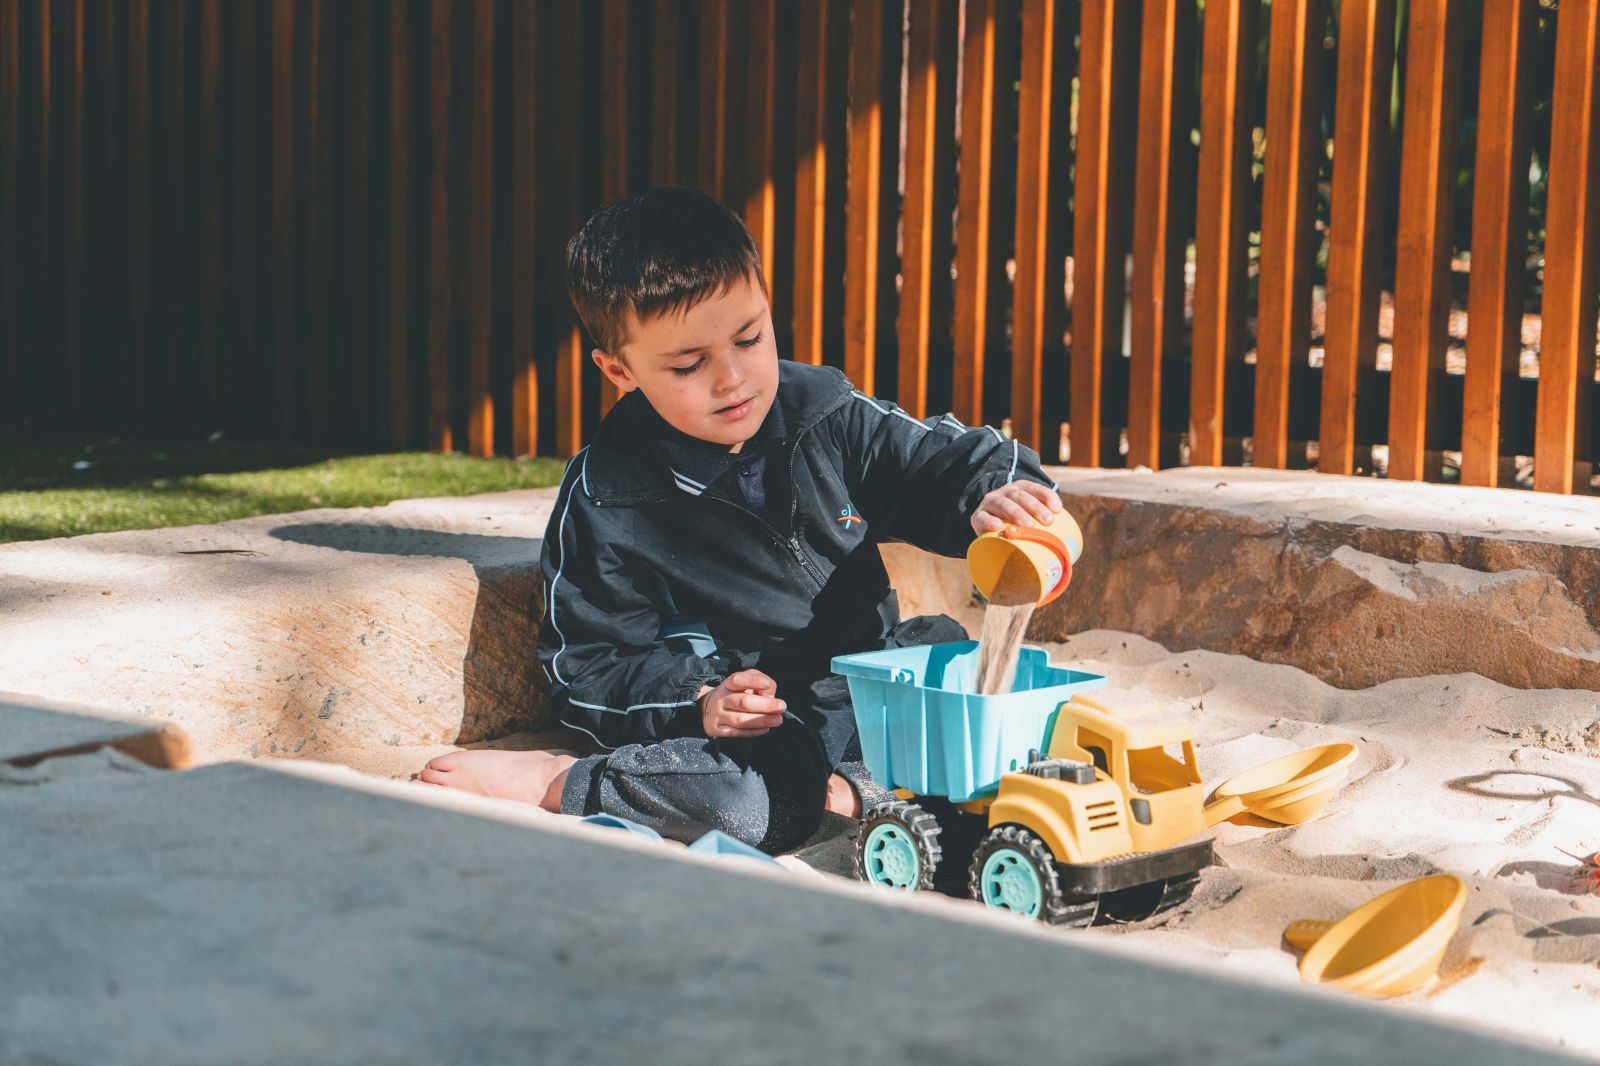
[661, 251]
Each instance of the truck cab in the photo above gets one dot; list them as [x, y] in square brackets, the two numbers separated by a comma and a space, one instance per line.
[1151, 761]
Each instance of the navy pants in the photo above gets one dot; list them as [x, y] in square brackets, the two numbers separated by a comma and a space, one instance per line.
[765, 791]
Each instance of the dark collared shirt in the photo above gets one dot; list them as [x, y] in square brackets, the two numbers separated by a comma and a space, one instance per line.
[752, 477]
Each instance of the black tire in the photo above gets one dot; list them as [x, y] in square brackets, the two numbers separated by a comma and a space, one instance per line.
[917, 825]
[1142, 902]
[1055, 907]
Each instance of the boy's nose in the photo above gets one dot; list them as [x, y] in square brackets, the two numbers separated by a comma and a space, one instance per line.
[728, 379]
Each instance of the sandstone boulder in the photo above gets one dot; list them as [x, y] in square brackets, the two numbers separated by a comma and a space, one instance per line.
[328, 634]
[1355, 580]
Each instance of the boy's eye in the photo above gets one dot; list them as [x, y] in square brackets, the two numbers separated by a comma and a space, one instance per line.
[751, 343]
[691, 368]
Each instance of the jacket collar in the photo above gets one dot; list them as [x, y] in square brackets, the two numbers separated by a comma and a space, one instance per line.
[626, 465]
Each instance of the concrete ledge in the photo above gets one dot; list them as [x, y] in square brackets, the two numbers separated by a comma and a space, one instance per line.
[32, 730]
[237, 913]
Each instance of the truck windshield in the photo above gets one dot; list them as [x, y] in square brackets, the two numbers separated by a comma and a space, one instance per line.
[1162, 769]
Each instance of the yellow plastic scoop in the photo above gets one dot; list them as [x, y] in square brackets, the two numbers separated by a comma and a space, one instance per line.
[1389, 946]
[1026, 564]
[1289, 790]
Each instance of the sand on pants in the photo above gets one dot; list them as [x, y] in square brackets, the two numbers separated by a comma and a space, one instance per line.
[1456, 774]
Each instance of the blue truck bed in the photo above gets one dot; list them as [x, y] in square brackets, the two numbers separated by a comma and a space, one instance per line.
[924, 729]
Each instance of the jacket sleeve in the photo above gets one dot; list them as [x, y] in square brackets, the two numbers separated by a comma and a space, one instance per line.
[920, 481]
[611, 674]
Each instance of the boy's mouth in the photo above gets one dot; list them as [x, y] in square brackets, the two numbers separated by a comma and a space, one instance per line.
[737, 410]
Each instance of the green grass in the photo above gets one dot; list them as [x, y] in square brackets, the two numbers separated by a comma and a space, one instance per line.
[58, 486]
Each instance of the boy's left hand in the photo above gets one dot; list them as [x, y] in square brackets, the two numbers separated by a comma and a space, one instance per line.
[1021, 503]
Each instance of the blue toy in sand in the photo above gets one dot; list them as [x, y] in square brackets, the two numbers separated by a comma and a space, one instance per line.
[714, 842]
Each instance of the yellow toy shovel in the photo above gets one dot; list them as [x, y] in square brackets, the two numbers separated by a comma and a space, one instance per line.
[1388, 946]
[1288, 790]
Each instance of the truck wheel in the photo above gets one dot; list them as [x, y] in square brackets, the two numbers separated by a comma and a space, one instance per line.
[1013, 870]
[1146, 901]
[898, 846]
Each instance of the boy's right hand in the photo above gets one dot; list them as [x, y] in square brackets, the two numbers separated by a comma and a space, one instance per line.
[745, 705]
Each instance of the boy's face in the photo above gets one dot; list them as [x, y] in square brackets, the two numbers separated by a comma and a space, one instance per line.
[711, 371]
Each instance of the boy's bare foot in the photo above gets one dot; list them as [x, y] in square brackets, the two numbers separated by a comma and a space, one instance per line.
[842, 798]
[533, 777]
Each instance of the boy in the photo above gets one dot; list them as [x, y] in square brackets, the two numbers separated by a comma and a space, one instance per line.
[717, 544]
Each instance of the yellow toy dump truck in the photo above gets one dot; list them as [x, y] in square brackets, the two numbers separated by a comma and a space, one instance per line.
[1098, 827]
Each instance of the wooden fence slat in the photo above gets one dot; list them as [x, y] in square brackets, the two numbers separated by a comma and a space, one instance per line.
[250, 372]
[930, 116]
[72, 189]
[480, 400]
[42, 336]
[666, 69]
[861, 278]
[439, 309]
[105, 336]
[615, 142]
[1422, 252]
[138, 205]
[1220, 226]
[812, 103]
[1562, 453]
[10, 287]
[358, 269]
[613, 103]
[978, 88]
[716, 60]
[524, 197]
[176, 245]
[761, 100]
[209, 262]
[1109, 33]
[1499, 222]
[1360, 148]
[1158, 250]
[399, 224]
[565, 192]
[1288, 236]
[1046, 91]
[283, 216]
[319, 115]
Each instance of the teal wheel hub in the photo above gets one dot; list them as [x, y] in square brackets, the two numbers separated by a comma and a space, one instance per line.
[1011, 883]
[890, 857]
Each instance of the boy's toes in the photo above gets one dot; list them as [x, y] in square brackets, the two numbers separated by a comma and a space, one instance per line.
[448, 761]
[431, 776]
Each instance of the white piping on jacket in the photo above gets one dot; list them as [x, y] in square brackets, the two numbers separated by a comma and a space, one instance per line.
[555, 660]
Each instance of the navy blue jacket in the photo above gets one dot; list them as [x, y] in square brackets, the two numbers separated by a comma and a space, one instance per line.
[654, 589]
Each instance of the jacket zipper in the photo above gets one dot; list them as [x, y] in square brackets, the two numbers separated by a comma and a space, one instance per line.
[794, 509]
[792, 544]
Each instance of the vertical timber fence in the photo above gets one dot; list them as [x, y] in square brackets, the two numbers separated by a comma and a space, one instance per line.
[1141, 232]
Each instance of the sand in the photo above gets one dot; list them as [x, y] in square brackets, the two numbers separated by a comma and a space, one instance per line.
[1000, 641]
[1456, 774]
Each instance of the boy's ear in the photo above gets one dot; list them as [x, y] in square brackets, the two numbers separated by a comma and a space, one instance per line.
[615, 370]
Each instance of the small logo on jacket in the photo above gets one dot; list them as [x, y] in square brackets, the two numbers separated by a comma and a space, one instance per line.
[847, 516]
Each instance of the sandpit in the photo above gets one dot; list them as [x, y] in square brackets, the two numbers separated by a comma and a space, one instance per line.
[1456, 774]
